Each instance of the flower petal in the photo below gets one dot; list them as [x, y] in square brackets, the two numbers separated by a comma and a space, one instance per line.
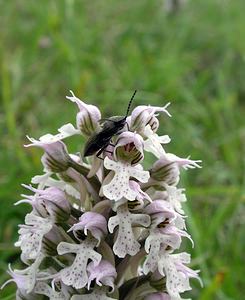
[119, 186]
[65, 131]
[126, 242]
[153, 142]
[76, 274]
[31, 235]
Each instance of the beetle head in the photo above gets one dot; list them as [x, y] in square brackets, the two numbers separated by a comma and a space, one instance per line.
[117, 122]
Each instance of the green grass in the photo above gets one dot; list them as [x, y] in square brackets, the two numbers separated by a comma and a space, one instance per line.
[103, 50]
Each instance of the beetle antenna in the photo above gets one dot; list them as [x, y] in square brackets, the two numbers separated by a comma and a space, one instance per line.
[130, 103]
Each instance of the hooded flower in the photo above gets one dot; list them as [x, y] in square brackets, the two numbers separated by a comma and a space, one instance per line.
[161, 213]
[164, 235]
[161, 206]
[143, 115]
[88, 117]
[76, 274]
[104, 274]
[49, 202]
[56, 158]
[126, 242]
[129, 148]
[119, 185]
[93, 222]
[167, 168]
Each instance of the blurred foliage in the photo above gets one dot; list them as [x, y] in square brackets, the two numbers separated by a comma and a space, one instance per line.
[103, 50]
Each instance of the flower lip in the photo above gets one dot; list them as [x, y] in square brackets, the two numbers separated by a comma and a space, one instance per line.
[153, 142]
[31, 234]
[126, 242]
[44, 289]
[76, 274]
[118, 186]
[173, 267]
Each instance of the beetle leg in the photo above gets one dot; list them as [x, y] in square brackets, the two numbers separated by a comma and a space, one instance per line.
[101, 150]
[99, 157]
[111, 144]
[111, 152]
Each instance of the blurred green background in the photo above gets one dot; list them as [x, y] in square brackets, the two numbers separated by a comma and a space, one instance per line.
[103, 50]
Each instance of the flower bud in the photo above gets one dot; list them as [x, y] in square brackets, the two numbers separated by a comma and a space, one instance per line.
[129, 148]
[56, 158]
[56, 203]
[50, 202]
[143, 115]
[164, 171]
[88, 117]
[167, 168]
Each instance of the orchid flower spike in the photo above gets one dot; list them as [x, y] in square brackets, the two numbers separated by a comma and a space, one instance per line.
[110, 227]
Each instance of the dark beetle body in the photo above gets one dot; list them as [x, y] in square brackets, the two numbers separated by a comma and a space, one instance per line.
[100, 140]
